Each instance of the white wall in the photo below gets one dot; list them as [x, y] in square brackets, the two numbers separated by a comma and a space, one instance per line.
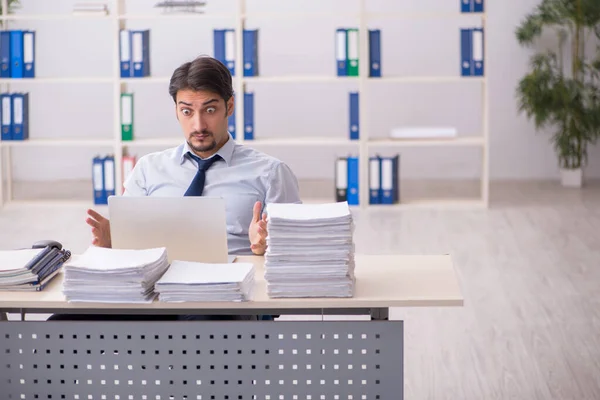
[293, 46]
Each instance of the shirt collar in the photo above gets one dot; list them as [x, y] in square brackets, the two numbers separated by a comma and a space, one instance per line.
[226, 151]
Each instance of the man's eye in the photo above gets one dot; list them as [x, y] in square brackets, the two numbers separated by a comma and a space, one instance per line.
[210, 110]
[186, 112]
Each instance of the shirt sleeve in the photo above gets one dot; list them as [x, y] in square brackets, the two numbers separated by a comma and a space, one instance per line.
[282, 186]
[135, 184]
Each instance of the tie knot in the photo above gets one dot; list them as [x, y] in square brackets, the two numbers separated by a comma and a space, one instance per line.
[203, 165]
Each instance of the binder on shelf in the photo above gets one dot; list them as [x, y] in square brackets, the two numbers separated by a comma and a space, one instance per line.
[125, 53]
[354, 124]
[128, 162]
[140, 53]
[250, 52]
[224, 47]
[5, 54]
[20, 108]
[466, 62]
[353, 181]
[477, 52]
[6, 117]
[374, 180]
[352, 52]
[126, 116]
[248, 116]
[341, 38]
[109, 176]
[389, 180]
[231, 123]
[341, 179]
[16, 49]
[375, 53]
[472, 51]
[98, 180]
[28, 54]
[471, 6]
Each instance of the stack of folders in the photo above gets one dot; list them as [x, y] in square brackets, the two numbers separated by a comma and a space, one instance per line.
[30, 269]
[114, 275]
[310, 250]
[194, 281]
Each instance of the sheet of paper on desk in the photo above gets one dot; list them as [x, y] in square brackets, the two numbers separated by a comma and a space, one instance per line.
[194, 281]
[114, 275]
[310, 250]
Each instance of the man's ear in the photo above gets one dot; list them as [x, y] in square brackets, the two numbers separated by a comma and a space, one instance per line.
[230, 106]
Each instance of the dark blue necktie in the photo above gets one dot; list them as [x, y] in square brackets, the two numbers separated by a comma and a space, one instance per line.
[197, 185]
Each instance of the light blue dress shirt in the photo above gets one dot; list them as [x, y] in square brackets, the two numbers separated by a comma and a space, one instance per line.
[241, 178]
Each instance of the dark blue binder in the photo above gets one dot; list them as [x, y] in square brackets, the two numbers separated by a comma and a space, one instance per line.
[478, 6]
[125, 53]
[466, 6]
[466, 63]
[477, 55]
[354, 124]
[20, 119]
[390, 192]
[250, 52]
[98, 180]
[375, 53]
[353, 181]
[231, 124]
[6, 116]
[140, 53]
[5, 54]
[341, 51]
[248, 116]
[16, 49]
[28, 54]
[219, 45]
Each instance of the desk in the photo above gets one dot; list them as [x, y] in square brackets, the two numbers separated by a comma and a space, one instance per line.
[233, 360]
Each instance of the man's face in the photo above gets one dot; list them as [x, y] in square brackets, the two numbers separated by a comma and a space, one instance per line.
[203, 118]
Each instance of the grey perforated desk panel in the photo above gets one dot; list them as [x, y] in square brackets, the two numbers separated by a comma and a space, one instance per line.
[232, 360]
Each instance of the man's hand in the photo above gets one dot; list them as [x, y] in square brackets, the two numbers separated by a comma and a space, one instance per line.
[258, 231]
[100, 229]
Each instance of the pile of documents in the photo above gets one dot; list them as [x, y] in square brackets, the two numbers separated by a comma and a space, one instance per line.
[30, 269]
[194, 281]
[114, 275]
[310, 250]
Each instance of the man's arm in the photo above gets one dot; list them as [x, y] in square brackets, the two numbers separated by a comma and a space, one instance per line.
[135, 184]
[282, 186]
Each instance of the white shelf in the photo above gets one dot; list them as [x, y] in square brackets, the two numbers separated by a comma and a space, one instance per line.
[427, 79]
[178, 16]
[300, 78]
[423, 15]
[310, 141]
[58, 143]
[54, 17]
[299, 15]
[458, 141]
[71, 79]
[437, 203]
[118, 20]
[170, 142]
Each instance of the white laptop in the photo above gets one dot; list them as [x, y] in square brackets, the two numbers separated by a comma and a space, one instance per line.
[192, 228]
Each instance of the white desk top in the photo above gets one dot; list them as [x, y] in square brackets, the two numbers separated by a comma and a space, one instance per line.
[382, 281]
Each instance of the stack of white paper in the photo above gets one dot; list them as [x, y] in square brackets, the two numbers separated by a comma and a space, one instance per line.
[310, 250]
[114, 275]
[194, 281]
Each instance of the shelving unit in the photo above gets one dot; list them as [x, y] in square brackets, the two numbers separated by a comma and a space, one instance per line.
[364, 145]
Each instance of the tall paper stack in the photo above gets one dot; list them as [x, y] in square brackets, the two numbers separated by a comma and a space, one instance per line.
[310, 250]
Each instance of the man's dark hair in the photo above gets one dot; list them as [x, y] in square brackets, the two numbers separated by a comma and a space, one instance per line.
[203, 73]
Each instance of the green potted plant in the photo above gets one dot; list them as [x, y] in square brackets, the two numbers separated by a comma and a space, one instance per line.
[562, 89]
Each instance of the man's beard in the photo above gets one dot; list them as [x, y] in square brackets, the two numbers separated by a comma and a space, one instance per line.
[209, 143]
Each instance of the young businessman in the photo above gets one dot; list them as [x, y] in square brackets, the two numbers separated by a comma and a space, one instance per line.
[209, 162]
